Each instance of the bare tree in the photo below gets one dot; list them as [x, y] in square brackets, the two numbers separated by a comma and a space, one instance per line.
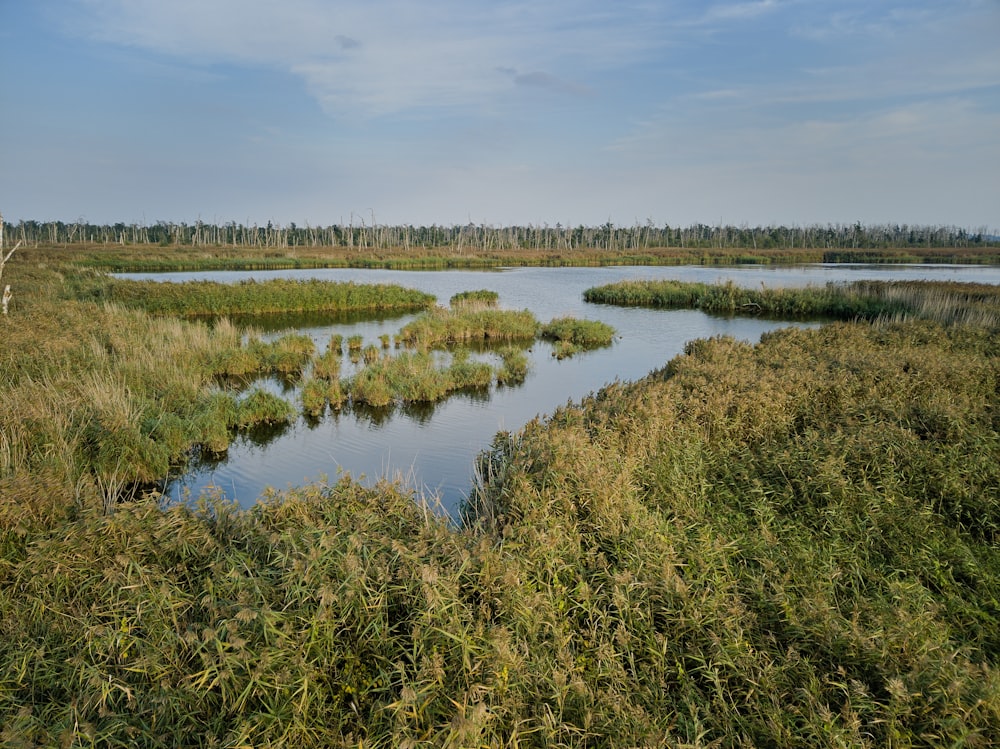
[5, 300]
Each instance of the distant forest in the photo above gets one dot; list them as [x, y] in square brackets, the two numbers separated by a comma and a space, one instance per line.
[361, 235]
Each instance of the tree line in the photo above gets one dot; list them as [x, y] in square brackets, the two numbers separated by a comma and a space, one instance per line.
[359, 234]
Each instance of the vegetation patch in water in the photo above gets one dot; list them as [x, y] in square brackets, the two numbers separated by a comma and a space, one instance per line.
[572, 335]
[976, 303]
[416, 377]
[196, 298]
[478, 299]
[440, 327]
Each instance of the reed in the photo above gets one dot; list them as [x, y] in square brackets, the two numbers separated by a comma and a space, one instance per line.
[262, 408]
[440, 327]
[201, 298]
[572, 335]
[514, 366]
[287, 355]
[474, 300]
[327, 366]
[793, 543]
[866, 300]
[371, 354]
[417, 377]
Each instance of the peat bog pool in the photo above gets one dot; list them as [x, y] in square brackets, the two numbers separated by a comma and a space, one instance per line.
[433, 446]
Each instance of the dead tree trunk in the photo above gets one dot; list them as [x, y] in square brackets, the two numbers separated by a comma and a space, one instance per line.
[5, 300]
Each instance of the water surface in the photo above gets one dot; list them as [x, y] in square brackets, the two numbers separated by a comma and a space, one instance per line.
[434, 446]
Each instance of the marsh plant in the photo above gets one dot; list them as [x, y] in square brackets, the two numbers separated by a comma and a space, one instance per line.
[867, 300]
[440, 327]
[203, 298]
[572, 335]
[474, 300]
[416, 377]
[793, 543]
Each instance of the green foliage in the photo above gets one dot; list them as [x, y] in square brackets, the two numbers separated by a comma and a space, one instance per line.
[327, 365]
[478, 299]
[416, 377]
[250, 297]
[787, 544]
[261, 408]
[514, 367]
[440, 327]
[867, 300]
[317, 394]
[795, 543]
[572, 335]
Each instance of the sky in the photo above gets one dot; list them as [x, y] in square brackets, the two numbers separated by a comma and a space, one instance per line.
[319, 112]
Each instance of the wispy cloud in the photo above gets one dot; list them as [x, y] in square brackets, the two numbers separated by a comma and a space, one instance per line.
[541, 79]
[386, 56]
[739, 11]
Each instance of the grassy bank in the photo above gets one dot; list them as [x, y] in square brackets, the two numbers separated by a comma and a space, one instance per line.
[868, 300]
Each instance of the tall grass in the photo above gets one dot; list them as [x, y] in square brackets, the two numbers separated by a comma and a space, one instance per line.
[787, 544]
[478, 299]
[572, 335]
[413, 377]
[794, 543]
[868, 300]
[441, 327]
[251, 297]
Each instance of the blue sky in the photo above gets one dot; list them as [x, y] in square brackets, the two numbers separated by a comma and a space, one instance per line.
[450, 111]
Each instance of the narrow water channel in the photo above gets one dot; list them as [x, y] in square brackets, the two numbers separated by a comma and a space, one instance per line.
[433, 447]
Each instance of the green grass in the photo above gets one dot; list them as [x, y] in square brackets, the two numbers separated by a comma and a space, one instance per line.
[439, 327]
[201, 298]
[416, 377]
[787, 544]
[572, 335]
[514, 366]
[478, 299]
[868, 300]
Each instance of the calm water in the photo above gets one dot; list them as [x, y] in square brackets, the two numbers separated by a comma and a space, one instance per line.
[433, 447]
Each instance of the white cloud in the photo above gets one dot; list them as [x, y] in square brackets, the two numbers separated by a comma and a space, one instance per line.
[385, 56]
[739, 11]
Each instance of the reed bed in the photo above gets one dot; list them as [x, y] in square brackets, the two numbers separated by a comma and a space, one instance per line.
[441, 327]
[866, 300]
[572, 335]
[477, 299]
[415, 377]
[514, 366]
[203, 298]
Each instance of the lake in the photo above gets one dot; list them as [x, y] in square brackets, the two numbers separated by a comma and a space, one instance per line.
[433, 447]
